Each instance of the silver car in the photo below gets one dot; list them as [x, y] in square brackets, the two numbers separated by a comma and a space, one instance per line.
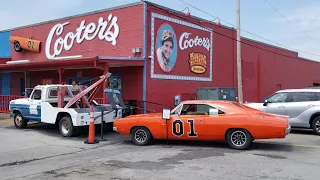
[301, 105]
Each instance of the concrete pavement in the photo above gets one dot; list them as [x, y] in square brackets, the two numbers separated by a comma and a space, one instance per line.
[39, 152]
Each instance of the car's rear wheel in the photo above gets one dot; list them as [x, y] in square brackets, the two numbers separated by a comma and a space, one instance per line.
[141, 136]
[239, 139]
[316, 125]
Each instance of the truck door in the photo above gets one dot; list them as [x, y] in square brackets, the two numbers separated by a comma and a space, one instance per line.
[35, 105]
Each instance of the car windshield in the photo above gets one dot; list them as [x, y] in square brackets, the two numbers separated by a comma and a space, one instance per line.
[176, 110]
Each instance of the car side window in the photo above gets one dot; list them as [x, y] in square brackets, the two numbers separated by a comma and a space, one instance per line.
[278, 97]
[197, 109]
[302, 96]
[36, 95]
[317, 96]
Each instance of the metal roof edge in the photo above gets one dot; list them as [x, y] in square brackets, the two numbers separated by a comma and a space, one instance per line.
[74, 16]
[263, 43]
[191, 16]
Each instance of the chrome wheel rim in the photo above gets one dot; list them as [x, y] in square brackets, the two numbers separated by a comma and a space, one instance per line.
[140, 136]
[65, 127]
[238, 138]
[317, 125]
[18, 119]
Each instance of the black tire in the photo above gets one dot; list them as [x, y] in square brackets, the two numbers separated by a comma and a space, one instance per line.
[233, 139]
[316, 125]
[141, 136]
[19, 121]
[17, 46]
[66, 127]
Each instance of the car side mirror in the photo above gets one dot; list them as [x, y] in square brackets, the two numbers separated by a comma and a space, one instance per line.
[213, 111]
[265, 103]
[166, 114]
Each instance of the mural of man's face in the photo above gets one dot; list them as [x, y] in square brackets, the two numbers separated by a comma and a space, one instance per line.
[167, 49]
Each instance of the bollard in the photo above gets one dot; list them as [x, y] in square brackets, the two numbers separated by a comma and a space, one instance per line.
[92, 137]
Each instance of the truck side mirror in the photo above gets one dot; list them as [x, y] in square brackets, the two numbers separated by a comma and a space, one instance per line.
[166, 114]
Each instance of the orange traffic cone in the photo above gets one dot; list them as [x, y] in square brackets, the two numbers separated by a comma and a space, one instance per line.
[92, 133]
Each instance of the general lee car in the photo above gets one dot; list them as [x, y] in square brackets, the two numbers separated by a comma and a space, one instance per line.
[227, 121]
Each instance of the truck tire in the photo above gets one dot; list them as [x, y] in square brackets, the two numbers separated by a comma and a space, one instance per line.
[19, 121]
[66, 127]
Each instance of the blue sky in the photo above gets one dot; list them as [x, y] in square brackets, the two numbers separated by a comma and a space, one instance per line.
[256, 17]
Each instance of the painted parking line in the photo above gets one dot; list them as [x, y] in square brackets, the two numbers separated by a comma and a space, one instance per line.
[294, 145]
[302, 145]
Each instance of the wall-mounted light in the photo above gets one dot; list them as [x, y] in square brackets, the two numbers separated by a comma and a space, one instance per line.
[188, 12]
[67, 57]
[18, 62]
[136, 50]
[218, 21]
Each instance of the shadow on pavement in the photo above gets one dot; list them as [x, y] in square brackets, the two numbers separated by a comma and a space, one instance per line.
[219, 144]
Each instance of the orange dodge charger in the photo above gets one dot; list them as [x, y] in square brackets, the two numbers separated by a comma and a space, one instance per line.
[216, 120]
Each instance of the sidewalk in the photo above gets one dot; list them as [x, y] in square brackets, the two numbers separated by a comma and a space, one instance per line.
[5, 119]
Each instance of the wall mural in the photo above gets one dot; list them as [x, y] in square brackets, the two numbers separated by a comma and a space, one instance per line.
[180, 50]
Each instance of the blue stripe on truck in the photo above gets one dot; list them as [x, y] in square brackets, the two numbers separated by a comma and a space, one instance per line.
[25, 111]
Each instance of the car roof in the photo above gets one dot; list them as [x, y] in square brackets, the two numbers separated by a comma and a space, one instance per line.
[299, 90]
[224, 105]
[205, 102]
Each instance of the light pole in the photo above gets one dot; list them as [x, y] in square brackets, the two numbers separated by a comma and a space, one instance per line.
[239, 72]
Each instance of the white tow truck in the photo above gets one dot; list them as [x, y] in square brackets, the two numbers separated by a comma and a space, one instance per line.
[64, 105]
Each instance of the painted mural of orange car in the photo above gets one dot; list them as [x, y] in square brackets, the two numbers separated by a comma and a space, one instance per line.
[21, 43]
[212, 120]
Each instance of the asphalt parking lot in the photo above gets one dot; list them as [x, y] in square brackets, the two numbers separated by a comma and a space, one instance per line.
[39, 152]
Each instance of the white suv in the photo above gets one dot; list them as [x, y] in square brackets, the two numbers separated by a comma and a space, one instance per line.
[301, 105]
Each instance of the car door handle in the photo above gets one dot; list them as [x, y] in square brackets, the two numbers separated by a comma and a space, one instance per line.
[311, 105]
[281, 107]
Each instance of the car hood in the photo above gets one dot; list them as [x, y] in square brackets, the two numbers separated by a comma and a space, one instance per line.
[146, 115]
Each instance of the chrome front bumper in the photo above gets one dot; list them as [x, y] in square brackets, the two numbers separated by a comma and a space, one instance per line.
[288, 129]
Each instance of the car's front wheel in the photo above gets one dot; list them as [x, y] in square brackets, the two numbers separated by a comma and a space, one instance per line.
[239, 139]
[316, 125]
[141, 136]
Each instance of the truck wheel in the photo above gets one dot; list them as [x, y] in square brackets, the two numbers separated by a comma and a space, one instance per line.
[19, 121]
[66, 127]
[316, 125]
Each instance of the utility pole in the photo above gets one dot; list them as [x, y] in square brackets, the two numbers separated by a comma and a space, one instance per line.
[239, 73]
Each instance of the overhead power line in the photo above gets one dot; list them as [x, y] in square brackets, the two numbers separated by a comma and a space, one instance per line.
[250, 32]
[289, 21]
